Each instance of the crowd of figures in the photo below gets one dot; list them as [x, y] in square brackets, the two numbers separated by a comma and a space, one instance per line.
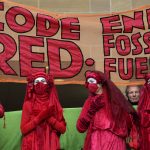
[108, 118]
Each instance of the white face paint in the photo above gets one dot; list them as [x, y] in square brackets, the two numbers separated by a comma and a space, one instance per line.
[148, 82]
[40, 79]
[91, 80]
[94, 81]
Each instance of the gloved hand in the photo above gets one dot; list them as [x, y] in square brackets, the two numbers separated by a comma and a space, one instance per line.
[52, 120]
[60, 126]
[96, 104]
[28, 123]
[44, 114]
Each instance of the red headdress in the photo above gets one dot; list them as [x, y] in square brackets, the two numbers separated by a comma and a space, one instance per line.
[118, 104]
[53, 96]
[100, 78]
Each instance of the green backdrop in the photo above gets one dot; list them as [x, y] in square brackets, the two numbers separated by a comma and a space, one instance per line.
[10, 137]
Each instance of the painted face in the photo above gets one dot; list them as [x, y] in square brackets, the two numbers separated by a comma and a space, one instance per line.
[40, 85]
[133, 94]
[92, 85]
[40, 79]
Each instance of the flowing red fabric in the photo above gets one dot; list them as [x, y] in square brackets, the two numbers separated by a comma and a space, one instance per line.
[115, 116]
[144, 114]
[132, 140]
[1, 111]
[117, 103]
[39, 132]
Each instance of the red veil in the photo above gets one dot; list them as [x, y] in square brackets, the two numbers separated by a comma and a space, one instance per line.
[118, 106]
[144, 114]
[44, 136]
[53, 97]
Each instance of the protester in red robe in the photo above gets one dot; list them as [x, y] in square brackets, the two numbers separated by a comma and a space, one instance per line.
[42, 115]
[144, 114]
[1, 110]
[106, 114]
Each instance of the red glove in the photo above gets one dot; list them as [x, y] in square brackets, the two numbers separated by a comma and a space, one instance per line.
[28, 125]
[59, 126]
[1, 111]
[44, 114]
[96, 104]
[133, 145]
[88, 111]
[83, 124]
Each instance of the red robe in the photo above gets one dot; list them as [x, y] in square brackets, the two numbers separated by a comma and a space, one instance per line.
[133, 138]
[144, 114]
[104, 133]
[45, 135]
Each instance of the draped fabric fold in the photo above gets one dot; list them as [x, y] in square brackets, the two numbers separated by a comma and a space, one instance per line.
[144, 114]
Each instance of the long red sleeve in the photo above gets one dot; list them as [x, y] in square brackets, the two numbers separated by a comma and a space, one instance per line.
[27, 124]
[83, 120]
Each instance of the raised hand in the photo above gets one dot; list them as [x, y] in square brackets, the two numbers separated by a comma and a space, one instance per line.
[98, 101]
[96, 104]
[45, 113]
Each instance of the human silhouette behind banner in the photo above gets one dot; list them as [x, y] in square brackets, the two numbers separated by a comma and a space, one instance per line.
[106, 114]
[42, 120]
